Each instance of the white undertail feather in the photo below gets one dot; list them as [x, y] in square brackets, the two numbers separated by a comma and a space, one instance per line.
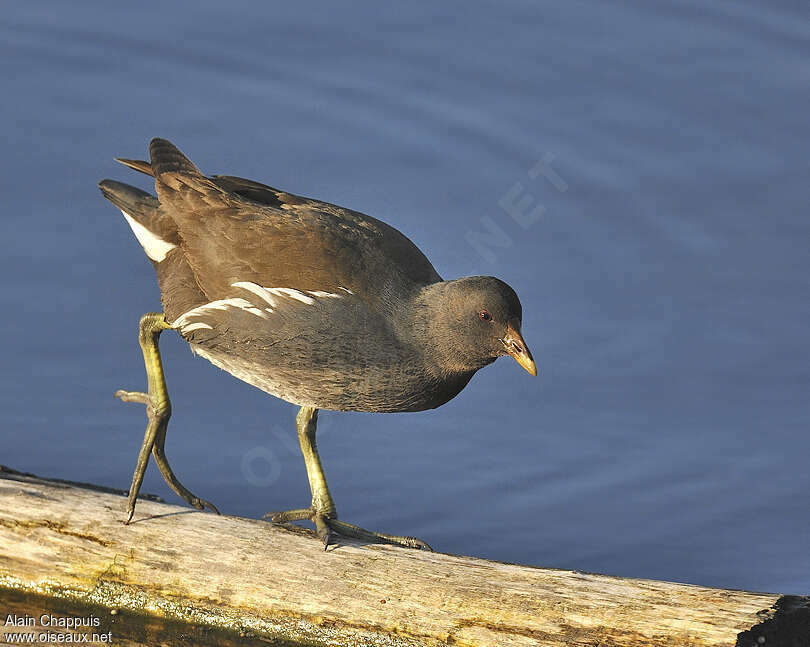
[155, 247]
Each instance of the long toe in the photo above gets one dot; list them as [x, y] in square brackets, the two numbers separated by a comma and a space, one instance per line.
[328, 527]
[299, 514]
[356, 532]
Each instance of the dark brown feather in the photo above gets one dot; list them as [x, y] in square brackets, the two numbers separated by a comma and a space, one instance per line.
[301, 243]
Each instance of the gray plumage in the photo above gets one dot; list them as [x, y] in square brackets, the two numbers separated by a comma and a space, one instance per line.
[319, 305]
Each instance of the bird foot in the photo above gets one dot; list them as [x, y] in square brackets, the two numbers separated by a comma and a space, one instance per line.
[193, 501]
[327, 527]
[160, 417]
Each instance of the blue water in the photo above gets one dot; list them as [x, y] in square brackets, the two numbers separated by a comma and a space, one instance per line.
[661, 254]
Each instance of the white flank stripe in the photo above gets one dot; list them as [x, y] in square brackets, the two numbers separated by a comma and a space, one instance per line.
[197, 326]
[293, 294]
[183, 322]
[242, 304]
[268, 293]
[155, 248]
[258, 290]
[222, 304]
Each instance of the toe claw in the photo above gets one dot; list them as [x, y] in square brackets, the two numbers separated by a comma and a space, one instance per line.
[323, 530]
[202, 504]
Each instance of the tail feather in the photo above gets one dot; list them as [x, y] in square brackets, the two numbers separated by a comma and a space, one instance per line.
[155, 231]
[137, 165]
[160, 238]
[166, 158]
[139, 204]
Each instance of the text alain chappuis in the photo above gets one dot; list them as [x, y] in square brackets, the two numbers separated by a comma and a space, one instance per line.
[51, 628]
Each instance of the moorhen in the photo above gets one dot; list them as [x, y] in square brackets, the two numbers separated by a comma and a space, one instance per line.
[318, 305]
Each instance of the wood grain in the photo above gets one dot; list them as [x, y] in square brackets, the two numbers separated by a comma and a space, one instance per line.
[272, 582]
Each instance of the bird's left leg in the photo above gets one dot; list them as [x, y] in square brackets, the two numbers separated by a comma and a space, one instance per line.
[323, 512]
[158, 410]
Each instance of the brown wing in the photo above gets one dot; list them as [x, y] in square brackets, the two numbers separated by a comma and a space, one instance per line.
[234, 230]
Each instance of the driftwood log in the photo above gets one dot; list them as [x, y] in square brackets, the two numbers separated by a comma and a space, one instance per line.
[265, 582]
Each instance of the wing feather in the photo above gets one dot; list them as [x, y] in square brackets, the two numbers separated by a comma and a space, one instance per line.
[234, 230]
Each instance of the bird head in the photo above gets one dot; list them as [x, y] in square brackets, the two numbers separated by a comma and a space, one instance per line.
[478, 319]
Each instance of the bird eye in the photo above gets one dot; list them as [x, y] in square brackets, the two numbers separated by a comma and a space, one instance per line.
[485, 316]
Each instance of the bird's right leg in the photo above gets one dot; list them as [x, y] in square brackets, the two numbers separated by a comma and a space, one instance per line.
[158, 410]
[323, 512]
[323, 505]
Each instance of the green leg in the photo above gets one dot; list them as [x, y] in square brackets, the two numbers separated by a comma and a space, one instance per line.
[322, 512]
[158, 410]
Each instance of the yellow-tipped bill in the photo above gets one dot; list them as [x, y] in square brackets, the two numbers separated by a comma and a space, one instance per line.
[517, 348]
